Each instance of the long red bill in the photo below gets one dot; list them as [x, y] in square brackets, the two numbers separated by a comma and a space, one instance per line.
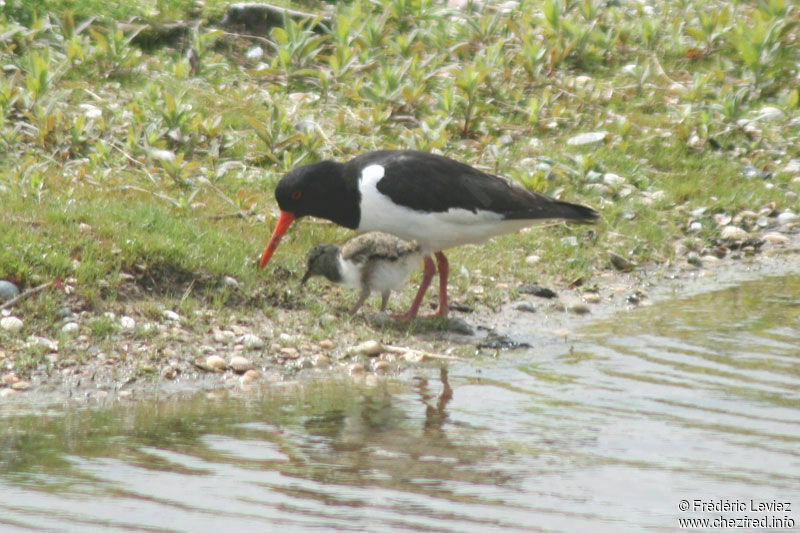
[284, 221]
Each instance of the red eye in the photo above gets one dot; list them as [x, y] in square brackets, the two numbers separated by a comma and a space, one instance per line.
[296, 195]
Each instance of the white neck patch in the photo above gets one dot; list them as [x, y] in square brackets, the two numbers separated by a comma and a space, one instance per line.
[371, 175]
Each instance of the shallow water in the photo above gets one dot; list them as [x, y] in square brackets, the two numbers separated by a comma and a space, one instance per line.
[690, 399]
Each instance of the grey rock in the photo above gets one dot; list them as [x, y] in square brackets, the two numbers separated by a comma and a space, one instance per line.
[8, 290]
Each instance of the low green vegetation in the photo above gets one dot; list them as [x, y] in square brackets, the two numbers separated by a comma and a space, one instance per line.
[129, 163]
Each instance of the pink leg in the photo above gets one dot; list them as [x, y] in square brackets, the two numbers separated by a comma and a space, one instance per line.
[444, 271]
[427, 276]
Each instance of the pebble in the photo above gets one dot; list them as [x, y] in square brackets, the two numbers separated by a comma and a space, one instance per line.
[709, 259]
[786, 217]
[620, 263]
[69, 328]
[580, 309]
[169, 372]
[694, 227]
[370, 348]
[48, 344]
[572, 240]
[171, 315]
[561, 332]
[5, 393]
[356, 368]
[224, 336]
[20, 385]
[10, 379]
[776, 238]
[526, 307]
[734, 233]
[532, 259]
[290, 353]
[230, 281]
[252, 342]
[585, 139]
[254, 53]
[614, 181]
[792, 167]
[693, 259]
[537, 290]
[240, 364]
[722, 219]
[591, 298]
[11, 324]
[7, 290]
[127, 323]
[216, 362]
[320, 360]
[381, 366]
[327, 344]
[250, 376]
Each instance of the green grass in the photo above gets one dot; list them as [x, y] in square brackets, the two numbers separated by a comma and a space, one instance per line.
[121, 161]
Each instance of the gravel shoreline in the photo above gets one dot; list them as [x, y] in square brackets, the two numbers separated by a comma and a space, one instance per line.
[164, 353]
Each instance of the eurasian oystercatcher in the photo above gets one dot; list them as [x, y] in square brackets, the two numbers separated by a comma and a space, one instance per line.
[428, 198]
[372, 261]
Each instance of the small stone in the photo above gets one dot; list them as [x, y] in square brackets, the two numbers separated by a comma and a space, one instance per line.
[792, 167]
[35, 340]
[561, 332]
[370, 348]
[620, 263]
[526, 308]
[230, 281]
[5, 393]
[694, 227]
[381, 366]
[254, 53]
[614, 181]
[537, 290]
[171, 315]
[7, 290]
[20, 385]
[290, 353]
[709, 259]
[250, 376]
[320, 360]
[571, 240]
[733, 233]
[70, 328]
[591, 297]
[169, 372]
[224, 336]
[216, 362]
[722, 219]
[240, 364]
[786, 217]
[585, 139]
[10, 379]
[356, 368]
[327, 344]
[532, 259]
[776, 238]
[580, 309]
[11, 324]
[127, 323]
[252, 342]
[693, 259]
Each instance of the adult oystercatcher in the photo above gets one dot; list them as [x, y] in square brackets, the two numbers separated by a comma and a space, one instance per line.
[372, 261]
[434, 200]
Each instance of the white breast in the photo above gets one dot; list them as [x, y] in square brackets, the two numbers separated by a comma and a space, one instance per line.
[433, 231]
[384, 275]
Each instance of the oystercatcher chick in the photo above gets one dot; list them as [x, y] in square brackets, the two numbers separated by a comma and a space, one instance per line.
[428, 198]
[374, 261]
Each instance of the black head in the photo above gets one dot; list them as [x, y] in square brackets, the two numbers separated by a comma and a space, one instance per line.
[321, 260]
[320, 190]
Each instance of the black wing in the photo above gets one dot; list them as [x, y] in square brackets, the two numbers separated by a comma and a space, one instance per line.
[429, 182]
